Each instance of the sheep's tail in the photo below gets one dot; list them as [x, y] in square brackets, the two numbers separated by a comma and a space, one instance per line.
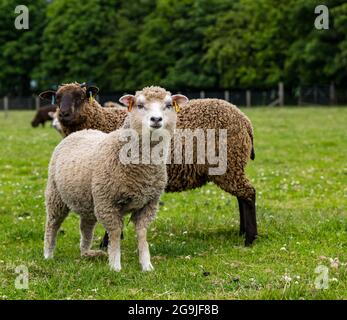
[252, 150]
[250, 132]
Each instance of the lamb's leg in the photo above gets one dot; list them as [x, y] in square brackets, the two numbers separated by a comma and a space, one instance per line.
[87, 226]
[112, 221]
[56, 212]
[114, 252]
[142, 220]
[144, 255]
[104, 241]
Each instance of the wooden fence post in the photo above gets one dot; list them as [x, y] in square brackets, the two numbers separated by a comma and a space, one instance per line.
[6, 106]
[332, 94]
[248, 98]
[226, 95]
[299, 97]
[202, 94]
[281, 93]
[37, 102]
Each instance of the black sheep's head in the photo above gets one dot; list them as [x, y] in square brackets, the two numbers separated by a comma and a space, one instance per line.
[70, 99]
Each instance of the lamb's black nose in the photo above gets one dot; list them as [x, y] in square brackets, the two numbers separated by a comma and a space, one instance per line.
[156, 119]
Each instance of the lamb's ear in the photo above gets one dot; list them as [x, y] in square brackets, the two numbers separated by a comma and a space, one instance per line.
[93, 90]
[128, 100]
[179, 98]
[51, 114]
[47, 95]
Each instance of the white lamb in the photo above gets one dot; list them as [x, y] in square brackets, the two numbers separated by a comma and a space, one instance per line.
[86, 175]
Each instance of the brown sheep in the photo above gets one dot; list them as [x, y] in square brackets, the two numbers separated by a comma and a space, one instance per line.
[200, 113]
[77, 111]
[42, 115]
[111, 104]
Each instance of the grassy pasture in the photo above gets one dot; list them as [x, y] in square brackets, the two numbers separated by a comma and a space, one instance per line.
[300, 174]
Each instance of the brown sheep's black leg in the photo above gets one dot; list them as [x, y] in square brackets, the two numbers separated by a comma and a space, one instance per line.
[250, 220]
[242, 217]
[104, 241]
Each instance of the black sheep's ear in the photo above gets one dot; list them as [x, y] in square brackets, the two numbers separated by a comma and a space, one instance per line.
[91, 90]
[48, 95]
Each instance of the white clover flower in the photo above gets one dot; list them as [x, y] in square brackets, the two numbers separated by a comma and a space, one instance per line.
[334, 263]
[287, 278]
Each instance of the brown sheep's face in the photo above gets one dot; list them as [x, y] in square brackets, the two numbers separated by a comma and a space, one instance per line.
[70, 99]
[70, 102]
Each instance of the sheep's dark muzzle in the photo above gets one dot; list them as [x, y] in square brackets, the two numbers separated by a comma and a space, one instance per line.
[66, 104]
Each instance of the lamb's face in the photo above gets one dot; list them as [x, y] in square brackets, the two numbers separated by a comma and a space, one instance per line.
[152, 109]
[153, 114]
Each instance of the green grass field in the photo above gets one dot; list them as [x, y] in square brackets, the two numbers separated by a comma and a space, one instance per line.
[300, 174]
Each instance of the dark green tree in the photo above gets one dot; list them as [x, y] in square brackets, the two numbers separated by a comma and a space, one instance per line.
[171, 47]
[316, 56]
[71, 48]
[19, 49]
[119, 70]
[248, 44]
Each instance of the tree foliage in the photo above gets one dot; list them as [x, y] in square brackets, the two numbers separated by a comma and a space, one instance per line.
[19, 49]
[123, 45]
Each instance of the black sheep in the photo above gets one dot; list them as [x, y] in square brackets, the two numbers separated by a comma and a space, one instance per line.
[42, 115]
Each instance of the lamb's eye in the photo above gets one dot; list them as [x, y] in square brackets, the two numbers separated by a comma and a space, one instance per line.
[169, 106]
[140, 106]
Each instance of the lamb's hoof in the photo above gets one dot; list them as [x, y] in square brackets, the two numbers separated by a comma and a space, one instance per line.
[147, 267]
[116, 268]
[48, 255]
[94, 254]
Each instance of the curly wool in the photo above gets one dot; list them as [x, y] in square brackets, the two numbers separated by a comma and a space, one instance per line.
[153, 93]
[111, 104]
[215, 114]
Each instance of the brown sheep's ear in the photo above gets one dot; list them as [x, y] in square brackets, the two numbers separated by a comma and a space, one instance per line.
[93, 91]
[48, 95]
[128, 100]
